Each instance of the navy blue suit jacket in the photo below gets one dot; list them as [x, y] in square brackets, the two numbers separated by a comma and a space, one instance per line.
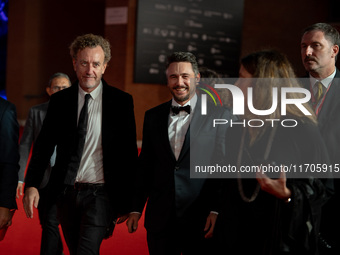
[9, 155]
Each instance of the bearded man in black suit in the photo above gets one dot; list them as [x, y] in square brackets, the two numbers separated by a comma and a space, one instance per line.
[181, 211]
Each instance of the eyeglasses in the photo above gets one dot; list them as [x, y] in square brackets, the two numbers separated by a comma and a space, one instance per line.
[58, 88]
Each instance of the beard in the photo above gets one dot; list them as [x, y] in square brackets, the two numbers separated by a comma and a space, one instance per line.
[180, 98]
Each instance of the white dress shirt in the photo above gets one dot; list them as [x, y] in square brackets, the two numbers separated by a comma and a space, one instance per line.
[91, 164]
[179, 124]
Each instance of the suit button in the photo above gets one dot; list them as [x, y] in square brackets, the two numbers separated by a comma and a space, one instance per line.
[176, 168]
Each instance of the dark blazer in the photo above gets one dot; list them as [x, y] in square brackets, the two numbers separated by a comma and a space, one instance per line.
[118, 142]
[165, 181]
[9, 155]
[329, 119]
[31, 131]
[329, 125]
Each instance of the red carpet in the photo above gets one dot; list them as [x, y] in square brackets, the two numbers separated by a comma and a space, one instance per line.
[23, 237]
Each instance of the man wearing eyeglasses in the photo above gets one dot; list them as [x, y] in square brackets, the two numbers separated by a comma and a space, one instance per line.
[50, 240]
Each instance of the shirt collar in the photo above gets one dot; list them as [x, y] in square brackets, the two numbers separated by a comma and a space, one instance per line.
[94, 94]
[325, 82]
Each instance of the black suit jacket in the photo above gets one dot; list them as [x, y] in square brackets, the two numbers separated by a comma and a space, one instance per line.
[31, 131]
[118, 142]
[329, 126]
[165, 181]
[9, 154]
[329, 119]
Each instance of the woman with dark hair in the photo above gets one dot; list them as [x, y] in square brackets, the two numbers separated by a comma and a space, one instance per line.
[267, 209]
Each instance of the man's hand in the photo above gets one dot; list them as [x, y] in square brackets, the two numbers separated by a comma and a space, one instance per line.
[210, 224]
[122, 218]
[132, 222]
[20, 188]
[31, 198]
[5, 217]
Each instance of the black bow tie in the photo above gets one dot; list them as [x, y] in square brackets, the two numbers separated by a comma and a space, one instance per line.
[177, 109]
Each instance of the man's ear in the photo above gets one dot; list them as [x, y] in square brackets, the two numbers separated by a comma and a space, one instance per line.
[74, 64]
[198, 77]
[104, 68]
[49, 91]
[335, 50]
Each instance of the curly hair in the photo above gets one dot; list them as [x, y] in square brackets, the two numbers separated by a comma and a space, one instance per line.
[90, 41]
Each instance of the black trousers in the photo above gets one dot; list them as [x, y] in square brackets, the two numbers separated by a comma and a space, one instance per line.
[51, 243]
[85, 214]
[183, 235]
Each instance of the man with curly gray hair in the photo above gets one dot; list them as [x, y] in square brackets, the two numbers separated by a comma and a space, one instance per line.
[94, 131]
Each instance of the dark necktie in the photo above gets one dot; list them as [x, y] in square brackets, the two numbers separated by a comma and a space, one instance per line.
[177, 109]
[78, 152]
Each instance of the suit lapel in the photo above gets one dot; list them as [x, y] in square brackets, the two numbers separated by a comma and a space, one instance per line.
[193, 129]
[74, 103]
[331, 97]
[186, 145]
[105, 105]
[330, 101]
[163, 128]
[110, 101]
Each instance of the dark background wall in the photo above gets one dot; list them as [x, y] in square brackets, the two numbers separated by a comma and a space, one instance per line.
[278, 24]
[40, 32]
